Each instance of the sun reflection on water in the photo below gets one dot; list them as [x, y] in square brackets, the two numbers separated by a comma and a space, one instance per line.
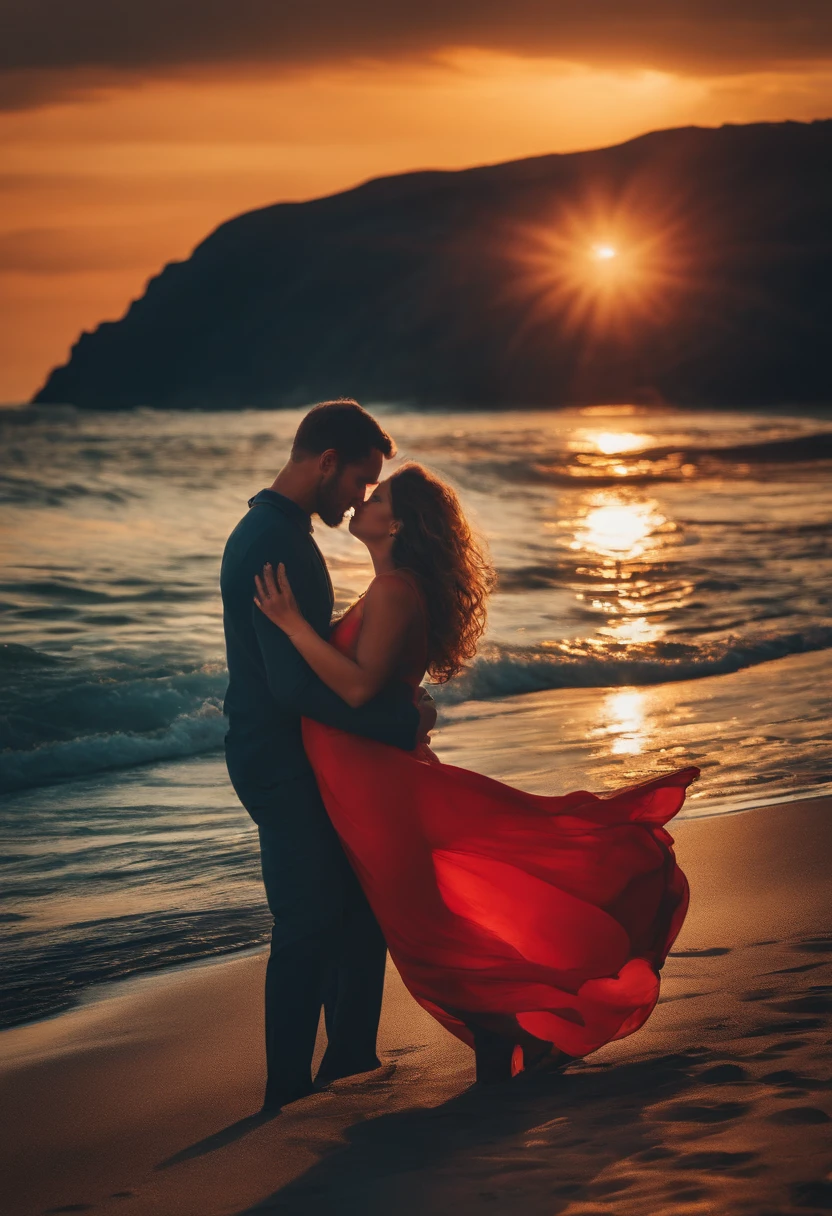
[632, 631]
[617, 528]
[613, 443]
[622, 577]
[623, 712]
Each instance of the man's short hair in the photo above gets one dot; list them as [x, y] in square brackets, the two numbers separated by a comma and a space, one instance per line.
[344, 426]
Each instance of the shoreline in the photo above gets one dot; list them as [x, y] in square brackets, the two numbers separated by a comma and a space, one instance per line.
[107, 989]
[602, 727]
[722, 1102]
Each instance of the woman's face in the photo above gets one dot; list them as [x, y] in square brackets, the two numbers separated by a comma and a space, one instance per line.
[373, 521]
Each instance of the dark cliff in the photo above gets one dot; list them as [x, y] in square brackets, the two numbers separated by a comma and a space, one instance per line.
[479, 287]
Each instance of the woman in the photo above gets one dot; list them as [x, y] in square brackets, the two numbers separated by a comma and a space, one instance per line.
[532, 927]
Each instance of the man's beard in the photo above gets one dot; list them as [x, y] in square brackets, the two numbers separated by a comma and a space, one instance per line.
[327, 505]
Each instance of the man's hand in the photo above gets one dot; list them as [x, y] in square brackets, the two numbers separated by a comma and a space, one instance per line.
[427, 715]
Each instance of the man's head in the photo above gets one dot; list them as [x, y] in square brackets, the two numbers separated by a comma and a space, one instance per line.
[342, 449]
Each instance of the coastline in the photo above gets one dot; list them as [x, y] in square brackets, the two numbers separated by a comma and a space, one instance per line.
[138, 1100]
[183, 853]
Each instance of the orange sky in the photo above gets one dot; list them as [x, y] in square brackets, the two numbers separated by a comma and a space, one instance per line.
[109, 173]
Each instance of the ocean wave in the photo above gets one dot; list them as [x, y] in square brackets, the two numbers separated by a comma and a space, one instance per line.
[794, 450]
[502, 671]
[14, 657]
[653, 465]
[142, 720]
[60, 717]
[188, 735]
[29, 492]
[69, 700]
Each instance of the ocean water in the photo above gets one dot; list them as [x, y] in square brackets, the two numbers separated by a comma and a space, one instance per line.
[664, 599]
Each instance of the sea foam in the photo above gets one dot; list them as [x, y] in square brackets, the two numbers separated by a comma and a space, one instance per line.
[184, 721]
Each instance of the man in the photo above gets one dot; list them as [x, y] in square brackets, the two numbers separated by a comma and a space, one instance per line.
[326, 946]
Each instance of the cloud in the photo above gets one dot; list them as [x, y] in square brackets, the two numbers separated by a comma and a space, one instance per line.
[69, 250]
[50, 46]
[28, 88]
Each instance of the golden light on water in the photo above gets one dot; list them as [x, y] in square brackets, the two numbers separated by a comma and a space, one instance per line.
[614, 443]
[623, 712]
[619, 538]
[632, 631]
[616, 528]
[611, 455]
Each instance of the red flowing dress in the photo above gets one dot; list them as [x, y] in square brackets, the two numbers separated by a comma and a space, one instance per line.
[513, 911]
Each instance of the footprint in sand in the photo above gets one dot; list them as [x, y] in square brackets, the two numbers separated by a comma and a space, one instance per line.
[812, 1195]
[797, 970]
[815, 945]
[568, 1190]
[609, 1186]
[659, 1153]
[715, 1161]
[800, 1115]
[704, 1112]
[778, 1050]
[780, 1027]
[794, 1080]
[709, 952]
[818, 1001]
[688, 1194]
[723, 1074]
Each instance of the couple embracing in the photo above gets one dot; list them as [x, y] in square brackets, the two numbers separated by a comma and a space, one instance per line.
[533, 928]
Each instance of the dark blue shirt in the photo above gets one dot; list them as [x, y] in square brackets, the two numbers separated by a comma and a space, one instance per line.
[270, 685]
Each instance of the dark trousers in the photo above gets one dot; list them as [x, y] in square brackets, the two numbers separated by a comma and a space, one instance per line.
[327, 950]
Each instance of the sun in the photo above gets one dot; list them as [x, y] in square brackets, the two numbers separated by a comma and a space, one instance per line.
[598, 266]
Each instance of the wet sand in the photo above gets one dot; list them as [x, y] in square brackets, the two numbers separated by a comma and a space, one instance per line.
[138, 1101]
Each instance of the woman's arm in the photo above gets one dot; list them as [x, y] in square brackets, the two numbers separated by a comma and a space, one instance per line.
[389, 609]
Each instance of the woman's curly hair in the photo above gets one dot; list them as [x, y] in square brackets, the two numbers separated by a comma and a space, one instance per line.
[436, 543]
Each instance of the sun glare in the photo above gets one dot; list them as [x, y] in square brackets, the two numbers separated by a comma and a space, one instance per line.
[616, 529]
[624, 711]
[613, 443]
[599, 285]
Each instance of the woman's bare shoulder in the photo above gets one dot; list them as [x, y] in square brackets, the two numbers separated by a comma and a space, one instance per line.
[393, 591]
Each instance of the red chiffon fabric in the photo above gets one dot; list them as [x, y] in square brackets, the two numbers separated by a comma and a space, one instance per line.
[520, 913]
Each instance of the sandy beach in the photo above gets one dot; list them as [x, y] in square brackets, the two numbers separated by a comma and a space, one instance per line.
[140, 1101]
